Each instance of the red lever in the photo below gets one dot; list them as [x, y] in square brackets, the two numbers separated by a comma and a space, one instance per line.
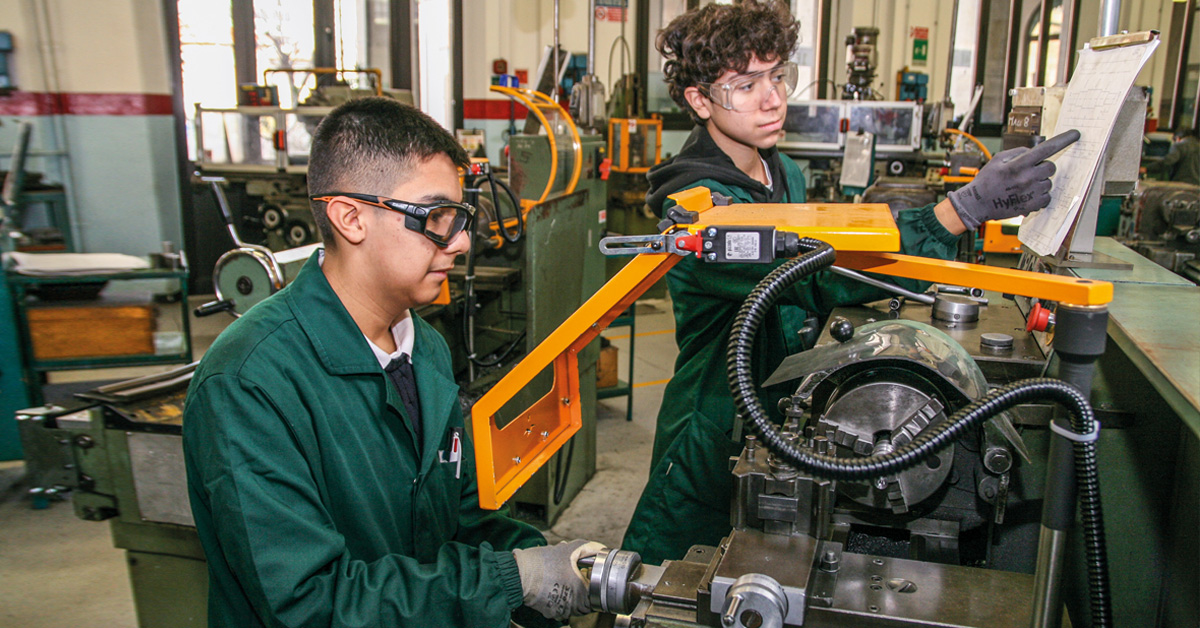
[1039, 318]
[690, 243]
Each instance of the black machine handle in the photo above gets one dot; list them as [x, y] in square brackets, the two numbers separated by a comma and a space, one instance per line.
[208, 309]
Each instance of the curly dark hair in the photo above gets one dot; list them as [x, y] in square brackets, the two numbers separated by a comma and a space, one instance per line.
[701, 45]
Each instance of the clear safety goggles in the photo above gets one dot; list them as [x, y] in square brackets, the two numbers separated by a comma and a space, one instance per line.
[440, 221]
[748, 91]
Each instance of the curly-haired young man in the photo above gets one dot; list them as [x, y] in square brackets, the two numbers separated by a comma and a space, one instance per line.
[728, 67]
[329, 472]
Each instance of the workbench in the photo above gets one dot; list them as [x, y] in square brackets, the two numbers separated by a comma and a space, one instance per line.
[21, 287]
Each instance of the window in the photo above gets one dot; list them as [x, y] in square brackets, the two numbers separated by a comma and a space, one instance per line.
[806, 49]
[433, 41]
[1033, 33]
[283, 34]
[206, 48]
[966, 46]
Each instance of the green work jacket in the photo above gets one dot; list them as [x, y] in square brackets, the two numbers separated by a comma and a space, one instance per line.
[314, 502]
[687, 498]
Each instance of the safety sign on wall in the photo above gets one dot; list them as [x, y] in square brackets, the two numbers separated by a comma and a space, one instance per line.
[920, 50]
[611, 10]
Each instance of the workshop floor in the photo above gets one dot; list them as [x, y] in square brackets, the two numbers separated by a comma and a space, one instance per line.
[57, 570]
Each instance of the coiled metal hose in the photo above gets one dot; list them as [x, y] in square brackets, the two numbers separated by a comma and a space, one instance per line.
[750, 408]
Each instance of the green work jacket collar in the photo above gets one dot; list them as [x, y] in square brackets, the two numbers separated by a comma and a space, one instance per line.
[343, 350]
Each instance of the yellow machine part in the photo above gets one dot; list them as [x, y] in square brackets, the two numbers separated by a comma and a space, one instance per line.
[995, 240]
[865, 237]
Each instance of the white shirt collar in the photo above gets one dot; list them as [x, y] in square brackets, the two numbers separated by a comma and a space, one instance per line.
[767, 170]
[402, 333]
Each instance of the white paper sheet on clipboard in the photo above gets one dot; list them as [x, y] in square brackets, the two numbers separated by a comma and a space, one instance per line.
[1093, 100]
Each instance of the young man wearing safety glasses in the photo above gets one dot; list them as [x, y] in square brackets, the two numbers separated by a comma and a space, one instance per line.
[329, 469]
[728, 67]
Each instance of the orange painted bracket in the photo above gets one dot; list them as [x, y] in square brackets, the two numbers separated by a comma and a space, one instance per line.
[996, 241]
[857, 227]
[846, 227]
[443, 297]
[506, 457]
[1006, 280]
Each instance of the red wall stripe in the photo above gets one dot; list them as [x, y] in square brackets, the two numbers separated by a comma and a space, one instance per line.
[92, 104]
[85, 104]
[484, 109]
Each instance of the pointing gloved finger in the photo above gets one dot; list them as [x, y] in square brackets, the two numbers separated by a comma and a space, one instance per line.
[1048, 148]
[1009, 155]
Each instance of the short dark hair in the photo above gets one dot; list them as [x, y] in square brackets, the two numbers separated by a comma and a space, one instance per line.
[367, 146]
[701, 45]
[1187, 132]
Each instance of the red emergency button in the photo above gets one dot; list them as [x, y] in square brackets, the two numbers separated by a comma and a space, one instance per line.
[1040, 318]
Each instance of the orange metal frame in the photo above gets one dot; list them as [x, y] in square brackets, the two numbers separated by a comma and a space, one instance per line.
[996, 241]
[619, 132]
[507, 456]
[538, 104]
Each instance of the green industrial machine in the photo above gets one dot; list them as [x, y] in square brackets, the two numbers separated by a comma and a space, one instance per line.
[121, 450]
[531, 287]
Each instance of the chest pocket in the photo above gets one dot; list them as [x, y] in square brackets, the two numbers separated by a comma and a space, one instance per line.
[440, 491]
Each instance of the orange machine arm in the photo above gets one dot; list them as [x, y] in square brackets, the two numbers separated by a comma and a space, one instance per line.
[506, 457]
[864, 236]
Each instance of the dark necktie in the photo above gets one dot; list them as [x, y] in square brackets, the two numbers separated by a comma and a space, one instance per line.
[400, 371]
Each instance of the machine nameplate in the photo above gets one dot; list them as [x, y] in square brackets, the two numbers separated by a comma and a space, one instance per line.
[1025, 122]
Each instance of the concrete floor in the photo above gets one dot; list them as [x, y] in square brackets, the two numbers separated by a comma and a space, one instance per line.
[57, 570]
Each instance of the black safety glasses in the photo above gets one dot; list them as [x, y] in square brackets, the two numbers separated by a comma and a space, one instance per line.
[440, 221]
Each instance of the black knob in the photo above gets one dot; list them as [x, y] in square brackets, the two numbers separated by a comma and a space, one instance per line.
[212, 308]
[841, 329]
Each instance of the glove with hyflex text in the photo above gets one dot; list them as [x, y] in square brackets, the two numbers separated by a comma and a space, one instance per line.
[1014, 183]
[552, 584]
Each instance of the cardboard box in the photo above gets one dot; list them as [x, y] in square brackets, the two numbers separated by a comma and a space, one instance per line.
[69, 332]
[606, 368]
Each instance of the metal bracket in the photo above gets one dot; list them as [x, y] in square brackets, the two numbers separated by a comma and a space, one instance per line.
[638, 244]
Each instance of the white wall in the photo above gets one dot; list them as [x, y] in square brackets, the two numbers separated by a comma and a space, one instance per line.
[117, 163]
[518, 31]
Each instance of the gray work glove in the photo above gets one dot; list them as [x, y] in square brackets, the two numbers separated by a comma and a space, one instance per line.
[1014, 183]
[550, 580]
